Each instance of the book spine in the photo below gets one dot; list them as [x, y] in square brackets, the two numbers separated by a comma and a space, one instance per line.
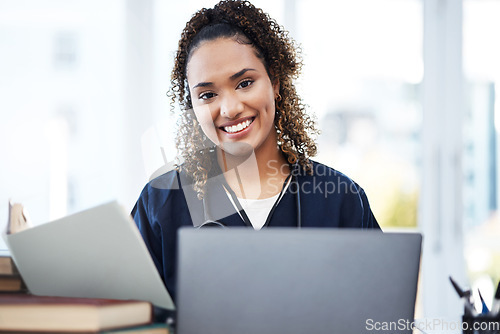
[12, 283]
[7, 266]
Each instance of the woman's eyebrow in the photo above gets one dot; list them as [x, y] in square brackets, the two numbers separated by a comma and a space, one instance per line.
[203, 84]
[240, 73]
[232, 77]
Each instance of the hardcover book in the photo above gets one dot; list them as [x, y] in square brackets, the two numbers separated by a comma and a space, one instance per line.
[7, 266]
[11, 283]
[28, 313]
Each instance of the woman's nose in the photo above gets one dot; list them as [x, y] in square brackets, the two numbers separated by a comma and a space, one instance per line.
[231, 106]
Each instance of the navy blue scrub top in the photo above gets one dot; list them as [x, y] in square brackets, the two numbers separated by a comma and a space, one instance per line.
[328, 198]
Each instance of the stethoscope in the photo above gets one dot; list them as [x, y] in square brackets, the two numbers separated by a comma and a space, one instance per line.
[209, 222]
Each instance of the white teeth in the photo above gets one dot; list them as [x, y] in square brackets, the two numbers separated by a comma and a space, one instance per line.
[238, 127]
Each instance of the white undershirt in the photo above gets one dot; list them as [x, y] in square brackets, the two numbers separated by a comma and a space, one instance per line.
[257, 210]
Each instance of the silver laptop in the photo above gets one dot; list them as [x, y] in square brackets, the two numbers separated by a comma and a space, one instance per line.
[96, 253]
[296, 281]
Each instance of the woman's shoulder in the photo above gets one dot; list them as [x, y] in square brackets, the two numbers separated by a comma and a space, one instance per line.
[170, 179]
[166, 180]
[173, 186]
[164, 200]
[320, 170]
[324, 170]
[337, 194]
[327, 181]
[167, 185]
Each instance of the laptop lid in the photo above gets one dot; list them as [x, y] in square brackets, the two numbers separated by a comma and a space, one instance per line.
[296, 281]
[96, 253]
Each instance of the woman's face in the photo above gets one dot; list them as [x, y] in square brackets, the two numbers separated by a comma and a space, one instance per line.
[233, 97]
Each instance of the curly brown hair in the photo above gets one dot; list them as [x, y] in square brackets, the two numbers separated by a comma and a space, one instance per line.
[249, 25]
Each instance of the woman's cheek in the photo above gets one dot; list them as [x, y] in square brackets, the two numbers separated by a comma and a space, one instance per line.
[204, 117]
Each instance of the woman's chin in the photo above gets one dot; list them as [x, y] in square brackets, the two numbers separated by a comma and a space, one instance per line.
[237, 149]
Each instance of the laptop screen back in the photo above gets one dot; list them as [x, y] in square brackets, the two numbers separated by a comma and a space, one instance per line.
[96, 253]
[296, 281]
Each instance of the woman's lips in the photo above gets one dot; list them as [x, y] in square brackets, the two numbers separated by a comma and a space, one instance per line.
[237, 126]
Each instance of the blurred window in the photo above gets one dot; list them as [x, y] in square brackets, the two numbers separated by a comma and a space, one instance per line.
[481, 143]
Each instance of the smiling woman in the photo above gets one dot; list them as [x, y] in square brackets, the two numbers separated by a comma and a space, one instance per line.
[245, 138]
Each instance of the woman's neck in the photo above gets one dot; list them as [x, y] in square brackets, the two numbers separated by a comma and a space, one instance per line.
[254, 176]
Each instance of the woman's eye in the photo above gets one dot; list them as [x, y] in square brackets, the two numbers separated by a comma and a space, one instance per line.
[245, 83]
[206, 96]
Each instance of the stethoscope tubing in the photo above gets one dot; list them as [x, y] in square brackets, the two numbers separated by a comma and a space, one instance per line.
[209, 222]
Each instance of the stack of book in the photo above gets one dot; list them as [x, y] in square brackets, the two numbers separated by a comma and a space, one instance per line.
[10, 280]
[28, 313]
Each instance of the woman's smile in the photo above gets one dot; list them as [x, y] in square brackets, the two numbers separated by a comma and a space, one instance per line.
[237, 127]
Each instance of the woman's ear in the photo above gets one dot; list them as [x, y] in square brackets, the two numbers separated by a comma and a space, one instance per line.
[275, 82]
[276, 87]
